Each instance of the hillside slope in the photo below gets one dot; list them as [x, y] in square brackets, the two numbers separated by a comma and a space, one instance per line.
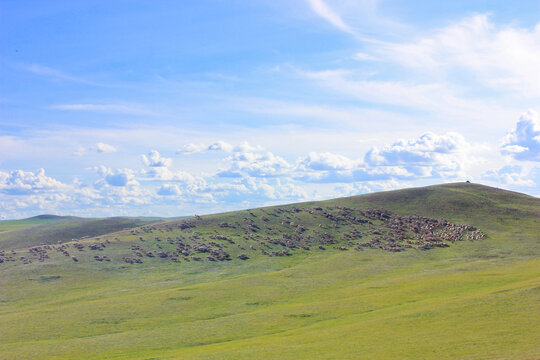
[7, 225]
[442, 272]
[50, 229]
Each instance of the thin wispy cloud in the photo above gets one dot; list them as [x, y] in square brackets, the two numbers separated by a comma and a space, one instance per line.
[56, 75]
[327, 13]
[109, 108]
[365, 12]
[100, 148]
[474, 51]
[49, 72]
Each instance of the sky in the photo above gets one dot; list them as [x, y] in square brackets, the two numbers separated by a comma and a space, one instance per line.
[171, 108]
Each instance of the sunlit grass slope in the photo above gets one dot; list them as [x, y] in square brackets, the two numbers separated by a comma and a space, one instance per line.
[472, 300]
[8, 225]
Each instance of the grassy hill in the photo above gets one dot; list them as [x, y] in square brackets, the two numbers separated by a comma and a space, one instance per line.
[441, 272]
[51, 229]
[7, 225]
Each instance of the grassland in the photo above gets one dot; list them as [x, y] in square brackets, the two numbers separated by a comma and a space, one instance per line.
[50, 229]
[8, 225]
[472, 300]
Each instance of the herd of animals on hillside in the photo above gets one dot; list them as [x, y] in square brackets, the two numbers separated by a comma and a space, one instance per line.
[205, 239]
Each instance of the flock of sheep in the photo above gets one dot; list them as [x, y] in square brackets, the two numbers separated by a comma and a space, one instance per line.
[278, 231]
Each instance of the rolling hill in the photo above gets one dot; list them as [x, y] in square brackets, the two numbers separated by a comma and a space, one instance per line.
[7, 225]
[441, 272]
[51, 229]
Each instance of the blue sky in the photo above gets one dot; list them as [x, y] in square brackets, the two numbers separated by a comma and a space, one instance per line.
[170, 108]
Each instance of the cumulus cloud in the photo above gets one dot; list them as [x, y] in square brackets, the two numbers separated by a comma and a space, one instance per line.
[154, 159]
[510, 175]
[250, 177]
[255, 165]
[19, 182]
[327, 161]
[443, 154]
[26, 193]
[169, 190]
[166, 174]
[244, 146]
[428, 156]
[248, 191]
[221, 146]
[119, 177]
[523, 142]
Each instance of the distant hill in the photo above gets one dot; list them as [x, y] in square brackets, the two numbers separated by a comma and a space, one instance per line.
[7, 225]
[51, 229]
[48, 217]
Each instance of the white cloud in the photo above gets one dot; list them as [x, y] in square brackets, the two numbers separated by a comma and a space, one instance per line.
[511, 175]
[327, 13]
[474, 49]
[169, 189]
[244, 146]
[420, 151]
[455, 73]
[221, 146]
[523, 142]
[248, 191]
[154, 159]
[360, 56]
[327, 161]
[252, 177]
[166, 174]
[99, 147]
[20, 182]
[357, 188]
[119, 177]
[433, 95]
[104, 148]
[109, 108]
[190, 149]
[49, 72]
[430, 155]
[255, 165]
[81, 151]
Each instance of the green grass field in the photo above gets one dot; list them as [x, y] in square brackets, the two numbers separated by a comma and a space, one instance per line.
[472, 300]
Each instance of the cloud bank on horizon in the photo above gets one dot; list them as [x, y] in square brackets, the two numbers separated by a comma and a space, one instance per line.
[137, 112]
